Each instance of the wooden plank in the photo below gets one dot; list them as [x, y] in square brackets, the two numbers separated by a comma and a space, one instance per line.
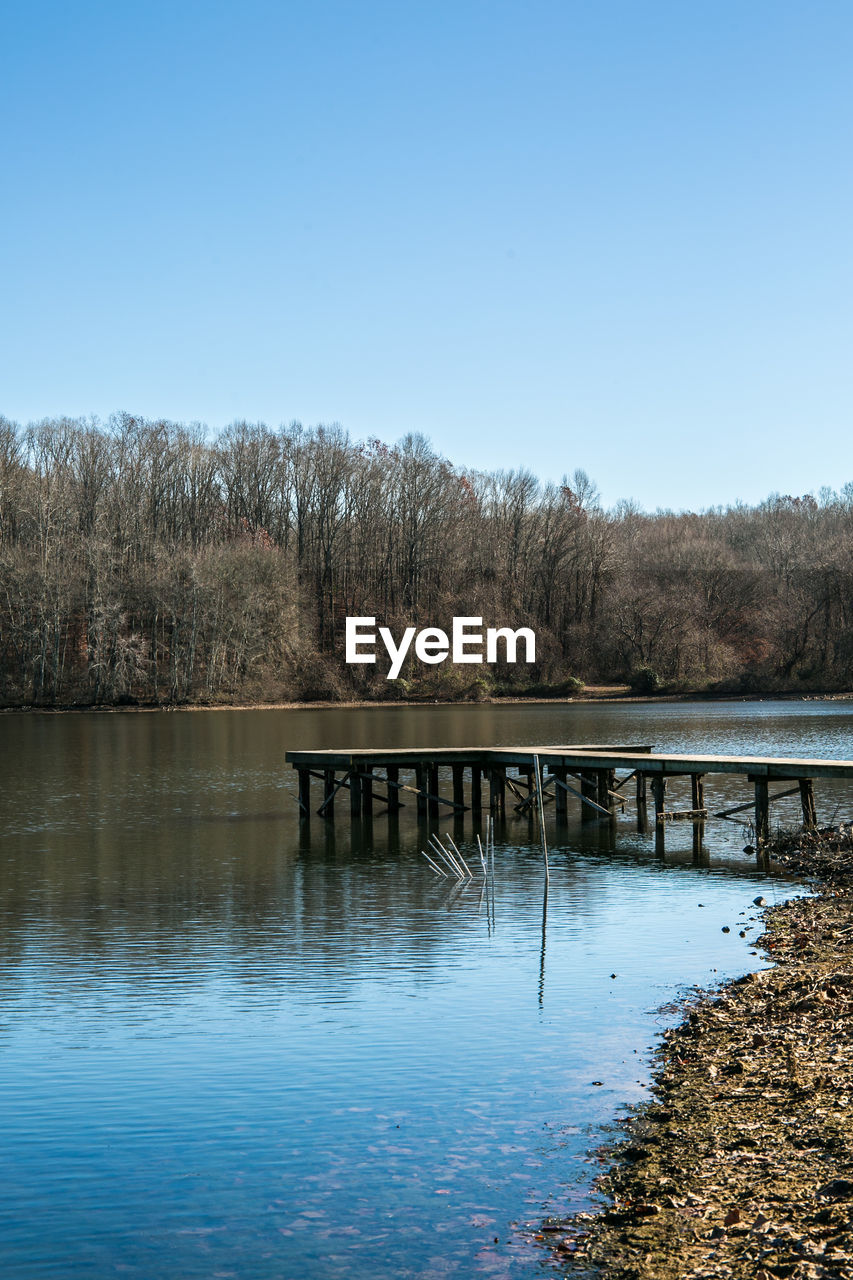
[328, 800]
[425, 795]
[566, 786]
[518, 793]
[770, 767]
[620, 782]
[741, 808]
[682, 815]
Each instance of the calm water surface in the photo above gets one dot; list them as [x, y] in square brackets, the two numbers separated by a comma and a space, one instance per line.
[233, 1046]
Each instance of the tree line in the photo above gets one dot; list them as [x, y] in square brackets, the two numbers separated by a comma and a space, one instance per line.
[143, 561]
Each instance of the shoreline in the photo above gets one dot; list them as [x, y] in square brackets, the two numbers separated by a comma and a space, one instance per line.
[609, 694]
[741, 1162]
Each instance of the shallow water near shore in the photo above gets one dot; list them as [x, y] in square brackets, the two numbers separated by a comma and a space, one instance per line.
[235, 1045]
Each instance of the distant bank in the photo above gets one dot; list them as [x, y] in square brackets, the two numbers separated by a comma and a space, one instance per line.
[591, 694]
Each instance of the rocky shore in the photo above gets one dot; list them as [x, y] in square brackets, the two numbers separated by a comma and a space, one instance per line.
[741, 1165]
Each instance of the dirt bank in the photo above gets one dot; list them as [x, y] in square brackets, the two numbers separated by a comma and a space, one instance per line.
[742, 1163]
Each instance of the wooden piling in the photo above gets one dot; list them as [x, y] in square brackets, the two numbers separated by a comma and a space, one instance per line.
[476, 791]
[392, 772]
[497, 791]
[762, 810]
[589, 790]
[807, 803]
[560, 806]
[366, 780]
[421, 784]
[432, 774]
[697, 799]
[697, 789]
[642, 803]
[304, 792]
[595, 767]
[659, 794]
[605, 785]
[329, 789]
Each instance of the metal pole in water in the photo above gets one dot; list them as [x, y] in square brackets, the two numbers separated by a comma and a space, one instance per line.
[541, 816]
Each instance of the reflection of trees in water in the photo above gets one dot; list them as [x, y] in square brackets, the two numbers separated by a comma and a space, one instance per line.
[273, 907]
[155, 840]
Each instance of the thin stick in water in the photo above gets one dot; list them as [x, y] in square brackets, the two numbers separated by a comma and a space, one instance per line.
[447, 857]
[458, 855]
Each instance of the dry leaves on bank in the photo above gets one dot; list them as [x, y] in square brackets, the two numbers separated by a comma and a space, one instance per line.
[742, 1166]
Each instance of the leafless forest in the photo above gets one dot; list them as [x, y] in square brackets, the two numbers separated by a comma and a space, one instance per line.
[146, 562]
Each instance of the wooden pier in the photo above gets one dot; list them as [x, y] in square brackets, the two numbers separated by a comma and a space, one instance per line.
[589, 774]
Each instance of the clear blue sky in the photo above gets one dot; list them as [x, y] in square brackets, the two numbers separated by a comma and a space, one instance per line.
[613, 235]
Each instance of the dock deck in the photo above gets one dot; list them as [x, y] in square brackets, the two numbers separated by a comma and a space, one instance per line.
[371, 775]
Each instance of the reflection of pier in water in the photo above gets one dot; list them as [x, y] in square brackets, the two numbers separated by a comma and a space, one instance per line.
[597, 776]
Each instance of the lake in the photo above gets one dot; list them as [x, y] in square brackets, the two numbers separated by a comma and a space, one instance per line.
[233, 1044]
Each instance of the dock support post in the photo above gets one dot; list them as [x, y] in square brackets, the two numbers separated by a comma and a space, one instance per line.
[476, 791]
[642, 805]
[606, 781]
[560, 807]
[697, 789]
[697, 800]
[432, 774]
[659, 793]
[393, 775]
[458, 785]
[367, 792]
[588, 789]
[421, 784]
[762, 810]
[807, 803]
[354, 793]
[304, 793]
[497, 791]
[328, 794]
